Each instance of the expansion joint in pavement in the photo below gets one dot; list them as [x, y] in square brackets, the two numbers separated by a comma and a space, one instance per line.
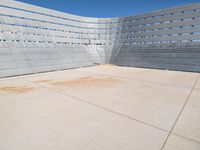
[187, 99]
[114, 112]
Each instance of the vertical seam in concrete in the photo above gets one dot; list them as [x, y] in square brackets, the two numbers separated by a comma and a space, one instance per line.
[180, 112]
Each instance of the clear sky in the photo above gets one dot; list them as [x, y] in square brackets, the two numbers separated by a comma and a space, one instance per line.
[107, 8]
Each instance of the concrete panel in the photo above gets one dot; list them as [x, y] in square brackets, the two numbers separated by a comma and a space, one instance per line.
[127, 94]
[44, 112]
[43, 128]
[189, 121]
[180, 143]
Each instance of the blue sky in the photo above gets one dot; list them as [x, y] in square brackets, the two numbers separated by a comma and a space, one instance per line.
[107, 8]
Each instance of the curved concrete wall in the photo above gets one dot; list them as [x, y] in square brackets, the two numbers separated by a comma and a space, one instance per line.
[35, 39]
[166, 39]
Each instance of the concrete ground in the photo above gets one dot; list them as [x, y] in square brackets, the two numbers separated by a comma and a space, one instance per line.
[101, 108]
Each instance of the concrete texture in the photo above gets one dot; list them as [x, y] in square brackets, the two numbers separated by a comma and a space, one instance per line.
[178, 143]
[187, 125]
[35, 39]
[101, 108]
[185, 59]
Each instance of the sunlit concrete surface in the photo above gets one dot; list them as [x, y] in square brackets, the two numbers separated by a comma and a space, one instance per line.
[103, 107]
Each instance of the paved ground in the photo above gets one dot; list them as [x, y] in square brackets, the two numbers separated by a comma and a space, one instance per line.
[101, 108]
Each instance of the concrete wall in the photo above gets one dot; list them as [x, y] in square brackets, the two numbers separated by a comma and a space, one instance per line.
[35, 39]
[185, 59]
[166, 39]
[30, 45]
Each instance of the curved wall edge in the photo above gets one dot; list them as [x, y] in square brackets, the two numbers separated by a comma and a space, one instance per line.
[35, 39]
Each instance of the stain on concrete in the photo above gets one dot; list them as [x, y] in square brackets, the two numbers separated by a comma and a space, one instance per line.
[43, 81]
[15, 89]
[87, 81]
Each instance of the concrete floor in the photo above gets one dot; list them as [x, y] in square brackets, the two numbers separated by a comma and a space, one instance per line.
[101, 108]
